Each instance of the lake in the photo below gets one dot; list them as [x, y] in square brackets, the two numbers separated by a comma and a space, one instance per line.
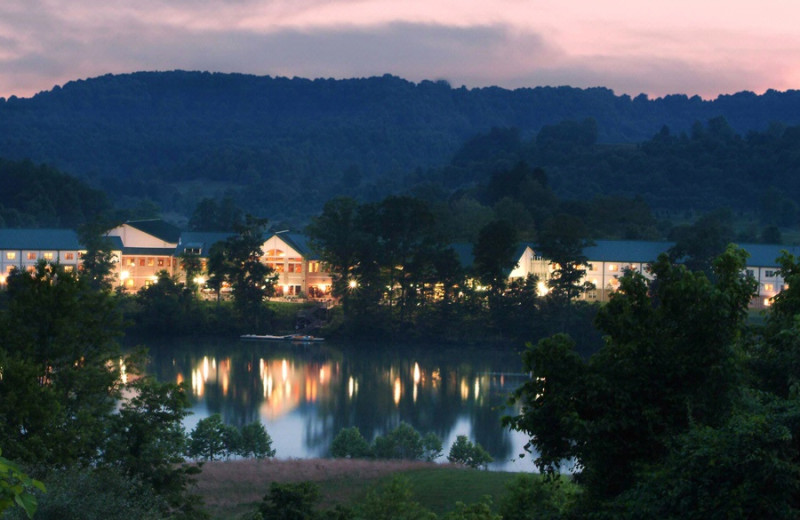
[304, 394]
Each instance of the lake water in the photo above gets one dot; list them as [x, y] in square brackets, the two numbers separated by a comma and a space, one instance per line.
[305, 394]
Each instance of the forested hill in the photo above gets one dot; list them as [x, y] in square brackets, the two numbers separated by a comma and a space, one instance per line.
[174, 136]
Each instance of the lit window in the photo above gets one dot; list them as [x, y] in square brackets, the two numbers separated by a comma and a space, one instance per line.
[68, 268]
[31, 256]
[11, 255]
[613, 267]
[313, 267]
[47, 256]
[69, 256]
[141, 262]
[768, 287]
[160, 262]
[151, 262]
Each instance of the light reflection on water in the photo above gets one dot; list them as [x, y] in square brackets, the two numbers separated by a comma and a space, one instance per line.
[305, 394]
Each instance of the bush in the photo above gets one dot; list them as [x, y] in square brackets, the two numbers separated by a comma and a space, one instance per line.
[393, 501]
[401, 443]
[349, 443]
[74, 494]
[465, 452]
[531, 497]
[291, 501]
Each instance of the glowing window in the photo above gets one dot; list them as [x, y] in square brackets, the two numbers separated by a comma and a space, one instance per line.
[47, 256]
[11, 255]
[613, 267]
[69, 256]
[31, 256]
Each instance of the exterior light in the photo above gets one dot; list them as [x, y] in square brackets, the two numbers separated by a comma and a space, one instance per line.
[2, 279]
[353, 284]
[199, 280]
[124, 275]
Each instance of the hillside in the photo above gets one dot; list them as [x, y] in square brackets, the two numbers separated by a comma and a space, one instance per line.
[283, 146]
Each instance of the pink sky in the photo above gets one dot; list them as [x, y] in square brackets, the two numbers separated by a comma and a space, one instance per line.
[704, 47]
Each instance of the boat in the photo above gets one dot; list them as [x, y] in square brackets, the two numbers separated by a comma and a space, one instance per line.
[294, 338]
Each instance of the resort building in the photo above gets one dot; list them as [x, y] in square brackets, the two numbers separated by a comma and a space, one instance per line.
[24, 248]
[148, 247]
[143, 248]
[300, 271]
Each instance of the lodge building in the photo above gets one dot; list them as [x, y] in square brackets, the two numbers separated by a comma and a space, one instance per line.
[143, 248]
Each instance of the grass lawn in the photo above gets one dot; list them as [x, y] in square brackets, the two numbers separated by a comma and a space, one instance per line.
[232, 488]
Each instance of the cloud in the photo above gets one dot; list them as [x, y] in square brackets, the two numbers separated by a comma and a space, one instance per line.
[510, 43]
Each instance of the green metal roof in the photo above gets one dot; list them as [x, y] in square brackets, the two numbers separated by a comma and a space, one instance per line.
[40, 239]
[157, 228]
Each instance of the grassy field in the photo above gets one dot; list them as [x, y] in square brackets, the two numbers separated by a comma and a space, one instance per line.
[232, 488]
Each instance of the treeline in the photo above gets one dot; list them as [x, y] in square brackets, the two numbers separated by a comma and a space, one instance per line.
[39, 196]
[674, 173]
[283, 146]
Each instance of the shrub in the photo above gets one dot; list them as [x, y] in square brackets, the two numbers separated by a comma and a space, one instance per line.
[392, 501]
[74, 494]
[465, 452]
[404, 442]
[349, 443]
[291, 501]
[531, 497]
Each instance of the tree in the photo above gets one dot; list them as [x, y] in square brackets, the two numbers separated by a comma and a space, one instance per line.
[60, 359]
[465, 452]
[494, 255]
[16, 488]
[698, 244]
[97, 263]
[335, 236]
[349, 443]
[255, 442]
[146, 441]
[192, 266]
[562, 240]
[668, 365]
[403, 442]
[208, 439]
[237, 261]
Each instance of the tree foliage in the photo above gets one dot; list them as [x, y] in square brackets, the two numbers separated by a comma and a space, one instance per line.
[669, 367]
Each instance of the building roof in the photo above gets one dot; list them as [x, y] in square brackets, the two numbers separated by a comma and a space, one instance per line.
[765, 255]
[157, 228]
[40, 239]
[299, 242]
[635, 251]
[202, 240]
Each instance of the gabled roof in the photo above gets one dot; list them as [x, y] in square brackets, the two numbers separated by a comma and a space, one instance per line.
[764, 255]
[299, 242]
[40, 239]
[635, 251]
[157, 228]
[201, 240]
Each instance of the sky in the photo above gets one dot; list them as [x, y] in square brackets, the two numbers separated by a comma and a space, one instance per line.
[656, 47]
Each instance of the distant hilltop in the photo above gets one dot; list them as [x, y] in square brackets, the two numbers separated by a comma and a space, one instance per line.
[173, 135]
